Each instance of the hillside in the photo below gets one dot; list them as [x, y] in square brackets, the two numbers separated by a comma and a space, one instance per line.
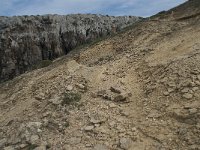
[26, 41]
[138, 90]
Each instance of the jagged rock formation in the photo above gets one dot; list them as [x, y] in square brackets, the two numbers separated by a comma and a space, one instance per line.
[26, 40]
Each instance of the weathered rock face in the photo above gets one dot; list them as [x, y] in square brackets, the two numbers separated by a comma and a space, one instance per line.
[26, 40]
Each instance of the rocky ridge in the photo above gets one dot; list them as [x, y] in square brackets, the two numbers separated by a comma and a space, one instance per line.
[27, 40]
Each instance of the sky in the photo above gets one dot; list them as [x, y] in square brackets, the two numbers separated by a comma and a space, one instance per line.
[141, 8]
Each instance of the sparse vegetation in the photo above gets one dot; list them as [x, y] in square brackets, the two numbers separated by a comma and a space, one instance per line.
[71, 98]
[31, 146]
[66, 124]
[103, 60]
[42, 64]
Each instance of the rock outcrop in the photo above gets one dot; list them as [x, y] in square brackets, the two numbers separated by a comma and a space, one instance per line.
[26, 40]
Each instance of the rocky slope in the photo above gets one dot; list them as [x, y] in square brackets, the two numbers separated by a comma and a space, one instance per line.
[26, 40]
[139, 90]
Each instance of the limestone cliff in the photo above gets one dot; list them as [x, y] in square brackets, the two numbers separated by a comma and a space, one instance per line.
[26, 40]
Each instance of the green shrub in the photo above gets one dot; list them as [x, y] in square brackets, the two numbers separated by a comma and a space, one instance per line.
[31, 147]
[71, 98]
[66, 124]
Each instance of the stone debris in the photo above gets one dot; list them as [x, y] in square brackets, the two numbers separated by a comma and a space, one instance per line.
[114, 94]
[69, 88]
[121, 97]
[55, 101]
[75, 140]
[136, 91]
[40, 96]
[116, 89]
[89, 128]
[101, 93]
[81, 86]
[112, 105]
[185, 90]
[34, 139]
[3, 142]
[187, 95]
[126, 143]
[198, 77]
[94, 121]
[9, 148]
[166, 93]
[100, 147]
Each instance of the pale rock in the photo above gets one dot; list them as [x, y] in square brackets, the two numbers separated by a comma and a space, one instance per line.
[192, 84]
[69, 88]
[187, 96]
[120, 119]
[75, 140]
[170, 90]
[154, 114]
[33, 126]
[93, 95]
[95, 121]
[103, 129]
[88, 145]
[121, 129]
[97, 125]
[34, 139]
[101, 93]
[89, 128]
[112, 124]
[166, 93]
[81, 86]
[100, 147]
[171, 84]
[195, 89]
[197, 83]
[193, 110]
[191, 91]
[190, 105]
[3, 142]
[55, 100]
[41, 147]
[46, 114]
[165, 79]
[125, 143]
[112, 105]
[9, 148]
[134, 129]
[67, 147]
[125, 113]
[40, 96]
[198, 77]
[23, 145]
[185, 90]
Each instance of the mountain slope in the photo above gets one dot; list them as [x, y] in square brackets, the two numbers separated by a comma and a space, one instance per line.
[27, 40]
[139, 90]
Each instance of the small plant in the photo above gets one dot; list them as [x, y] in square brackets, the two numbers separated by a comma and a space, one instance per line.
[66, 124]
[31, 147]
[71, 98]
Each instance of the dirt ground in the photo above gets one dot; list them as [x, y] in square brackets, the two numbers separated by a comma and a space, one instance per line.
[140, 90]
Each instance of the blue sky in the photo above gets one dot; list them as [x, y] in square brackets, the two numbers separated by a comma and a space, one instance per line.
[111, 7]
